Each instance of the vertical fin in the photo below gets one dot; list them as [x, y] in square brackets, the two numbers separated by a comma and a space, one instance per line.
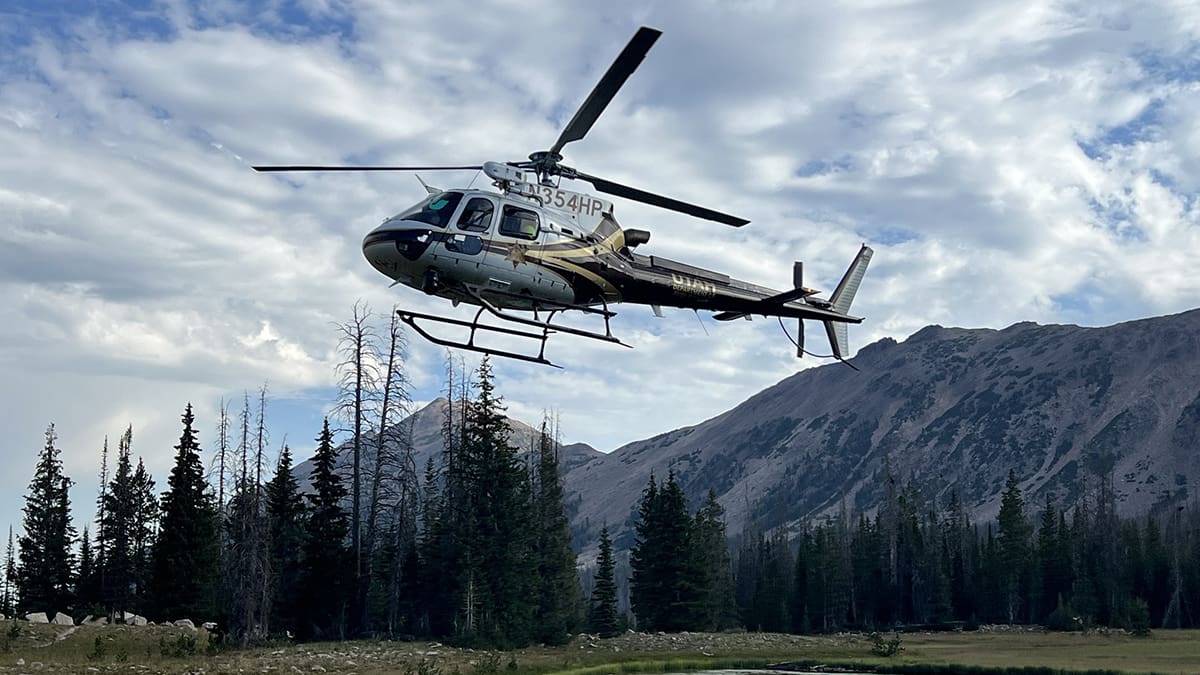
[843, 295]
[841, 299]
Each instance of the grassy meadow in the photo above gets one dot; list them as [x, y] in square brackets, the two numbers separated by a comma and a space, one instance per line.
[163, 649]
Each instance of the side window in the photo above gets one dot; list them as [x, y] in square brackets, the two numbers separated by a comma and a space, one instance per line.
[519, 223]
[476, 215]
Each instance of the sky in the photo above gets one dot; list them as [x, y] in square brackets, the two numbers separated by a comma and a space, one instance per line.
[1033, 161]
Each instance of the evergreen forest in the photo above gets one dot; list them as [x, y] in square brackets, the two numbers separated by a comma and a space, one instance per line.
[475, 547]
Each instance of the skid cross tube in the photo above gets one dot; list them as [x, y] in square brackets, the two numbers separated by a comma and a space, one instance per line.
[554, 327]
[542, 335]
[411, 318]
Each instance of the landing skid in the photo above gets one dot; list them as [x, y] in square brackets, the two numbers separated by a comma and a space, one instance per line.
[542, 335]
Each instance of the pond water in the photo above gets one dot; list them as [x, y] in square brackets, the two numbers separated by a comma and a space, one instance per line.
[762, 671]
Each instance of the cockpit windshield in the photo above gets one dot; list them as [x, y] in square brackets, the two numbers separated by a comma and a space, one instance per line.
[436, 210]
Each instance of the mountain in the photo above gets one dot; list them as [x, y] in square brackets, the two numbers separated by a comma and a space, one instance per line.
[426, 429]
[948, 408]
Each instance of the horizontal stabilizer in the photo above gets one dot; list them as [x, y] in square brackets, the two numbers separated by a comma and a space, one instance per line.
[778, 299]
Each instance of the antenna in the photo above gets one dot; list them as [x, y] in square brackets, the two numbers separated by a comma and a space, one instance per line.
[428, 189]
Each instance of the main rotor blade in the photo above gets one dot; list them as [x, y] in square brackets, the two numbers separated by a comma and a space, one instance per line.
[620, 70]
[363, 168]
[635, 194]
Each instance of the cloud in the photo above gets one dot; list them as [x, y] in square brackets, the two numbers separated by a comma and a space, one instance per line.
[1007, 161]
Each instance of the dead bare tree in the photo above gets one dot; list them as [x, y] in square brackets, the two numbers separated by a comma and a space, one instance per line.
[393, 474]
[221, 457]
[359, 382]
[247, 579]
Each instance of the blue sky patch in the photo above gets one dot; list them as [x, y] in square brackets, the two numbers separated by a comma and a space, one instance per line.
[820, 167]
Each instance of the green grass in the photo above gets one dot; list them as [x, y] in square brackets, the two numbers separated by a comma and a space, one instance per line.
[667, 665]
[159, 650]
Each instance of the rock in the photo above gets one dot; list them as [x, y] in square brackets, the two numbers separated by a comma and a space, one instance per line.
[135, 620]
[37, 617]
[61, 619]
[95, 621]
[209, 625]
[185, 623]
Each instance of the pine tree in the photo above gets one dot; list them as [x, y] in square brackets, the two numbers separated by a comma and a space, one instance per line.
[186, 557]
[446, 524]
[957, 537]
[716, 609]
[88, 597]
[603, 619]
[558, 584]
[8, 592]
[127, 529]
[326, 591]
[768, 609]
[645, 596]
[116, 523]
[285, 512]
[46, 569]
[1013, 546]
[499, 599]
[101, 547]
[143, 529]
[1053, 566]
[662, 587]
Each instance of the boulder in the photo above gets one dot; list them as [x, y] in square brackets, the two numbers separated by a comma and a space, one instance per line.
[185, 623]
[37, 617]
[210, 625]
[61, 619]
[136, 620]
[95, 621]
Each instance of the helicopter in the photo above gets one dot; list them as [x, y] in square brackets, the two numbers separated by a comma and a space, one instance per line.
[532, 246]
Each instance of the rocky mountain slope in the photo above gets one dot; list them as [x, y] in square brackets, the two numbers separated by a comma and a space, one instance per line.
[948, 408]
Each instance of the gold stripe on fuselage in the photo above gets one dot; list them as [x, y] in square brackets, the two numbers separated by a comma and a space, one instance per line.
[542, 254]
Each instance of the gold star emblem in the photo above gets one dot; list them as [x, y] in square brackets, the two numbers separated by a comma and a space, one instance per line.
[516, 254]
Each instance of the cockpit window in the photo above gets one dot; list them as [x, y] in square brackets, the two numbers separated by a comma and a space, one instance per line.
[436, 210]
[476, 215]
[520, 223]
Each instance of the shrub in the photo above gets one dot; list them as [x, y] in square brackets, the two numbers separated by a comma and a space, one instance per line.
[1139, 618]
[1063, 618]
[881, 646]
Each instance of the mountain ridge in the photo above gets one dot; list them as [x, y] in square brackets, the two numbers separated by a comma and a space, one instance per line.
[945, 409]
[1059, 404]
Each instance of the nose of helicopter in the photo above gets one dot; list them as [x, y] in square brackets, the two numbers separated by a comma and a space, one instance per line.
[392, 247]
